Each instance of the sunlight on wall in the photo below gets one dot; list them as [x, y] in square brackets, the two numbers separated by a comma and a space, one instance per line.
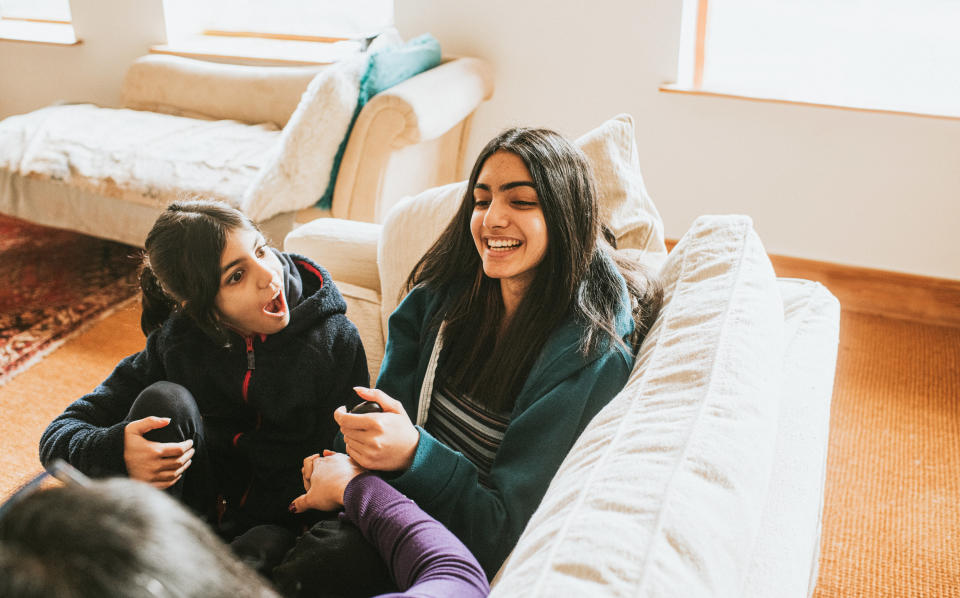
[334, 18]
[885, 54]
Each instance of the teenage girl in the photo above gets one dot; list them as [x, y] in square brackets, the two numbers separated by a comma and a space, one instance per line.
[248, 353]
[520, 324]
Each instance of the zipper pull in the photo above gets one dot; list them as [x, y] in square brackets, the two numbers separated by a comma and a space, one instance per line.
[250, 362]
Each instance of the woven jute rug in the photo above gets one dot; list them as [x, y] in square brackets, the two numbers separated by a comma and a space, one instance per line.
[53, 283]
[891, 520]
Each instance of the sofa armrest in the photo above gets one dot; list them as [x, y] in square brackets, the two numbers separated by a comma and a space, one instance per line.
[346, 248]
[410, 138]
[201, 89]
[427, 114]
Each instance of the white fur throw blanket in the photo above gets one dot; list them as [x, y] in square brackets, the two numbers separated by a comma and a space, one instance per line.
[151, 158]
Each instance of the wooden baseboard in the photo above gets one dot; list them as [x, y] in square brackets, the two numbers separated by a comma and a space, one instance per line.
[880, 292]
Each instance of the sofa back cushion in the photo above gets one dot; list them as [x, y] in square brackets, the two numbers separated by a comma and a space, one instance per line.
[201, 89]
[663, 492]
[415, 222]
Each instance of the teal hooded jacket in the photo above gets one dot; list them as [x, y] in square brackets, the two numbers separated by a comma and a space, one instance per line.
[562, 393]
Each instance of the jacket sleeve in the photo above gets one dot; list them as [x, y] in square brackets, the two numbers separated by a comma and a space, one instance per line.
[424, 558]
[489, 520]
[89, 433]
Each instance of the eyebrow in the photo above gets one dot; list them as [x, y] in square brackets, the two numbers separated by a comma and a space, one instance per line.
[506, 186]
[256, 243]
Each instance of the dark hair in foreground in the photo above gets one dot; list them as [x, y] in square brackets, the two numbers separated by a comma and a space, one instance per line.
[578, 275]
[181, 264]
[117, 538]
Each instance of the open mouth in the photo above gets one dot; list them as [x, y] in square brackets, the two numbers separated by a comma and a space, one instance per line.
[502, 245]
[275, 307]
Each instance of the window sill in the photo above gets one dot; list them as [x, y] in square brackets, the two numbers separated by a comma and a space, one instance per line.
[57, 34]
[682, 89]
[261, 50]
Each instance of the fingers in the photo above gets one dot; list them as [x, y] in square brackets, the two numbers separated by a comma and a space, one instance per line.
[142, 426]
[163, 485]
[388, 403]
[307, 470]
[299, 504]
[187, 456]
[172, 449]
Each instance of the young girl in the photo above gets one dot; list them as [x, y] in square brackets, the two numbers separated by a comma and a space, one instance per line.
[520, 325]
[247, 355]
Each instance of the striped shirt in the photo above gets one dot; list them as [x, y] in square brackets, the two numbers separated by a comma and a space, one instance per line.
[466, 426]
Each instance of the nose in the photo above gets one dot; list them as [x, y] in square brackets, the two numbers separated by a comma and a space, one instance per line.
[266, 277]
[496, 215]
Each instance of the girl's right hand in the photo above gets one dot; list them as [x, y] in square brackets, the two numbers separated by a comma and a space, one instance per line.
[161, 464]
[379, 441]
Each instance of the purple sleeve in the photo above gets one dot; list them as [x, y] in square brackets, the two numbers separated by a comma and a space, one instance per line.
[426, 559]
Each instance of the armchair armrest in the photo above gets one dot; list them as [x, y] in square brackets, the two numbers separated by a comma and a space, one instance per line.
[410, 137]
[346, 248]
[211, 90]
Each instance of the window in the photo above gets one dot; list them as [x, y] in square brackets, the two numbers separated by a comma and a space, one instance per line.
[290, 30]
[877, 54]
[36, 20]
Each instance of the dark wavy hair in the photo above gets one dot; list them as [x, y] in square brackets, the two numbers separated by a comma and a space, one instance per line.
[181, 264]
[119, 538]
[580, 275]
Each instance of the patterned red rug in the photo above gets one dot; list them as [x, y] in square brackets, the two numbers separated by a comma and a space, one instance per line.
[53, 283]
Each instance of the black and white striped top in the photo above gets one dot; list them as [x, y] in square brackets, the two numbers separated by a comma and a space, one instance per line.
[465, 426]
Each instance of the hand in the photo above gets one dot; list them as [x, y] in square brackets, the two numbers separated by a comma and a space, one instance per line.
[326, 481]
[381, 441]
[158, 463]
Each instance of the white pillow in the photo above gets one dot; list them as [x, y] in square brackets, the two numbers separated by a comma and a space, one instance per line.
[625, 205]
[663, 492]
[415, 222]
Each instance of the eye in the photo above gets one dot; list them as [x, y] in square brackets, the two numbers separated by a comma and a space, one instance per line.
[236, 277]
[522, 203]
[261, 251]
[481, 204]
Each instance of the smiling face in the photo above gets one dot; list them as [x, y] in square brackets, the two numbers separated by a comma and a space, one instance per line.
[251, 299]
[507, 225]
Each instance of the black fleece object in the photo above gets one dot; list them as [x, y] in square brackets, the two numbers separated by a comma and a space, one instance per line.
[256, 445]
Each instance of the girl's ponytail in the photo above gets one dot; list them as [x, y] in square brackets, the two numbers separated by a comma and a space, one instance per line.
[157, 304]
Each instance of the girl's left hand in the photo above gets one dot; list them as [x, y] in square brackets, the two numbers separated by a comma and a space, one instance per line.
[325, 479]
[380, 441]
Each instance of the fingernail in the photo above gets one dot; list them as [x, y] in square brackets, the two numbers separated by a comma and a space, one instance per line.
[292, 508]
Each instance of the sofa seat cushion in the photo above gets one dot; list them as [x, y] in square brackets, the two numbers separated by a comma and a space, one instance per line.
[786, 557]
[663, 492]
[141, 157]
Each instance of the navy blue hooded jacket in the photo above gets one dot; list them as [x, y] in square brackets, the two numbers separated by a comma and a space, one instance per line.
[266, 401]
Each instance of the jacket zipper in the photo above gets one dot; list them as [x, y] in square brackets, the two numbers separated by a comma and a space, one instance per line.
[251, 365]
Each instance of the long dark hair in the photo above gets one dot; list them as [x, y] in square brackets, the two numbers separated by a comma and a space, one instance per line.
[117, 537]
[578, 276]
[181, 264]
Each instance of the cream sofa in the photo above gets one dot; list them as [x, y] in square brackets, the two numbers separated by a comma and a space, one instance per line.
[704, 476]
[260, 138]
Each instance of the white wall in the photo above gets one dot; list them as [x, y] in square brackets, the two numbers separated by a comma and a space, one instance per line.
[113, 34]
[866, 189]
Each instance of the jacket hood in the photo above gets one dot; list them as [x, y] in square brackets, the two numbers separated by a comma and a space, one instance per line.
[310, 293]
